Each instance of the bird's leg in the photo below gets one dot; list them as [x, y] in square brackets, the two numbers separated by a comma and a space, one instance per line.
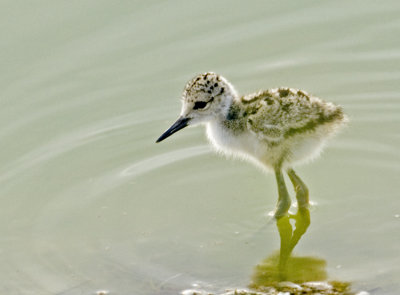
[300, 189]
[283, 200]
[302, 216]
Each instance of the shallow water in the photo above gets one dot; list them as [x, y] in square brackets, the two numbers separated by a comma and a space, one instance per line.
[89, 202]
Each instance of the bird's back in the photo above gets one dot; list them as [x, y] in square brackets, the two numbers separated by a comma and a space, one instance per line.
[285, 112]
[278, 126]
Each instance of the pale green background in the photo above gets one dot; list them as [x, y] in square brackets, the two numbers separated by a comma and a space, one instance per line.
[88, 201]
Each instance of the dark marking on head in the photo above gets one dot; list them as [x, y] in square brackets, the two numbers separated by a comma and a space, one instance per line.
[199, 105]
[209, 91]
[216, 84]
[283, 92]
[205, 76]
[221, 91]
[211, 87]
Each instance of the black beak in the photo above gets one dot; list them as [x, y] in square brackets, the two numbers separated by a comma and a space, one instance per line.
[178, 125]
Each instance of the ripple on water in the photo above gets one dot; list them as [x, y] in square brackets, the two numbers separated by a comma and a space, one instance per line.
[67, 142]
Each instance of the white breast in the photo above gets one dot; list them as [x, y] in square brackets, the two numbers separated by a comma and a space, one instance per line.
[245, 145]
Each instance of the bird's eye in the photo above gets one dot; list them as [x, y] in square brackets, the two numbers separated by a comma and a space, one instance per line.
[199, 105]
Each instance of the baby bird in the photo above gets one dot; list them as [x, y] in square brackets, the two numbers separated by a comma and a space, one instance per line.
[275, 129]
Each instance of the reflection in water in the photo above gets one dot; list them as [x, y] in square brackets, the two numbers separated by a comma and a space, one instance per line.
[298, 270]
[290, 237]
[297, 275]
[302, 275]
[284, 267]
[283, 273]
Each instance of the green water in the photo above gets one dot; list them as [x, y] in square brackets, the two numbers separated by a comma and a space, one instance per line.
[89, 202]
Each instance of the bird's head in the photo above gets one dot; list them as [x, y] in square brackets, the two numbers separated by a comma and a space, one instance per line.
[205, 98]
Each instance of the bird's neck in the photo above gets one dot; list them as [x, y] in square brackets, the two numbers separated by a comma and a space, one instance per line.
[229, 120]
[233, 111]
[225, 109]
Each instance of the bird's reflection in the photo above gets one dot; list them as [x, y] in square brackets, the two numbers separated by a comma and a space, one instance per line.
[291, 236]
[298, 270]
[284, 267]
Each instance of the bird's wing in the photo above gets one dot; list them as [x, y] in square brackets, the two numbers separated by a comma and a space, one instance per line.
[277, 113]
[264, 126]
[267, 132]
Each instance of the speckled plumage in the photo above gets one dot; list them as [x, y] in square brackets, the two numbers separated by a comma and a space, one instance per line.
[275, 128]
